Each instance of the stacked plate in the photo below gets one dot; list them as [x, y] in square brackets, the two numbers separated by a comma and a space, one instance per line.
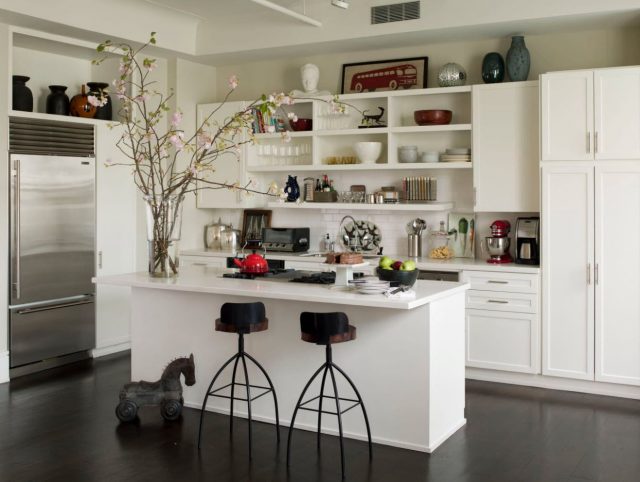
[370, 285]
[456, 155]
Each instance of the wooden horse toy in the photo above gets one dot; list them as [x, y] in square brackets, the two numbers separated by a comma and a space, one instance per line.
[166, 392]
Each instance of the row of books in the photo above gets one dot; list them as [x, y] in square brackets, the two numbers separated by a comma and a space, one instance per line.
[262, 122]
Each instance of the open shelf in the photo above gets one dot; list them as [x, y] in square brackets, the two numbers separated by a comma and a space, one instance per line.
[441, 128]
[416, 166]
[433, 206]
[352, 132]
[278, 135]
[54, 117]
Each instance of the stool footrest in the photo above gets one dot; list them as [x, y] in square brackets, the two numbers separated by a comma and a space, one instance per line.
[303, 407]
[215, 393]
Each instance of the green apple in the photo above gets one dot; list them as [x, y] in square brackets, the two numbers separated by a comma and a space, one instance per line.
[385, 262]
[387, 268]
[408, 265]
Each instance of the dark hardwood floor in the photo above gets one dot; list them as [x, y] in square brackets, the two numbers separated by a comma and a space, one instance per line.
[60, 425]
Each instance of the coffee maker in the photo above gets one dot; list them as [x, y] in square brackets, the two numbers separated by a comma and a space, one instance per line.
[528, 241]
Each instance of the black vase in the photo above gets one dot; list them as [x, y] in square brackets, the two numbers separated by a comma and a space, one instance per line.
[493, 68]
[22, 98]
[57, 100]
[97, 89]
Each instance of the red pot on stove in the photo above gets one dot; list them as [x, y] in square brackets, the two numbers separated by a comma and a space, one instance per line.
[253, 263]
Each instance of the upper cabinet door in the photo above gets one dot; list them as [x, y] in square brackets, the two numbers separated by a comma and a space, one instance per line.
[567, 116]
[228, 168]
[506, 147]
[617, 113]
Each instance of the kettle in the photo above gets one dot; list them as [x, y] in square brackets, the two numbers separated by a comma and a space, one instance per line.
[253, 263]
[213, 234]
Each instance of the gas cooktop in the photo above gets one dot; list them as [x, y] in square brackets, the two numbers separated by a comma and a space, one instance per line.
[293, 275]
[279, 273]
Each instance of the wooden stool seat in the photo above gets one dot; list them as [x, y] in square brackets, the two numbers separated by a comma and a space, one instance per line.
[337, 338]
[250, 328]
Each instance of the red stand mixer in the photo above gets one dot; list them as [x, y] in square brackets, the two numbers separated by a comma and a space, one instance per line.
[498, 243]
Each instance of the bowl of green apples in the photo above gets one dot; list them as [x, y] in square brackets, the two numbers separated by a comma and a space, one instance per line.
[398, 273]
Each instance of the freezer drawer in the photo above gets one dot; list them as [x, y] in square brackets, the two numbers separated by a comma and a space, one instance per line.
[42, 332]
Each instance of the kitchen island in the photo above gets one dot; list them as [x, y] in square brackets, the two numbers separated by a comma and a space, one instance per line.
[407, 360]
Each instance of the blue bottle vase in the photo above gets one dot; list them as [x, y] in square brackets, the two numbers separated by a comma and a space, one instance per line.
[518, 59]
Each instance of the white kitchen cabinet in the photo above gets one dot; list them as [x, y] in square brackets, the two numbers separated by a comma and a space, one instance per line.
[506, 147]
[208, 261]
[228, 167]
[115, 240]
[568, 270]
[617, 276]
[502, 321]
[590, 114]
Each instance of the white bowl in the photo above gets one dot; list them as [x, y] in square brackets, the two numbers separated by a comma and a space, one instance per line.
[368, 152]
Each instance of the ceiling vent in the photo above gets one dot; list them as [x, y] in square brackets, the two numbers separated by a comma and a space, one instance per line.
[397, 12]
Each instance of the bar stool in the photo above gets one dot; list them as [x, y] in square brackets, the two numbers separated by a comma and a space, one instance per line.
[326, 329]
[243, 319]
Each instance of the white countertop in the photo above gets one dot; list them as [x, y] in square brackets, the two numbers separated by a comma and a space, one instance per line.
[454, 264]
[200, 279]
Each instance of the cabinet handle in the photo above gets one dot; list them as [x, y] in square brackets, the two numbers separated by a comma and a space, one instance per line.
[588, 142]
[502, 302]
[16, 228]
[596, 142]
[596, 273]
[588, 273]
[497, 282]
[99, 259]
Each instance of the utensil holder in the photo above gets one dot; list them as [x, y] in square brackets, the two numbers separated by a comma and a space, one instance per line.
[415, 245]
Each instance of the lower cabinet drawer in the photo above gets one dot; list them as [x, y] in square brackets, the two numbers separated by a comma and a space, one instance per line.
[500, 281]
[502, 301]
[503, 340]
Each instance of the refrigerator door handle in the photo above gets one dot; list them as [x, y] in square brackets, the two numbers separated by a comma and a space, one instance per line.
[38, 309]
[16, 228]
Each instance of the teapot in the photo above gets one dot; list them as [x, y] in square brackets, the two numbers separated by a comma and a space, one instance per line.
[253, 263]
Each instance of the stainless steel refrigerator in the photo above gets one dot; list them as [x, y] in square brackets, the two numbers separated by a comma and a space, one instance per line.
[52, 247]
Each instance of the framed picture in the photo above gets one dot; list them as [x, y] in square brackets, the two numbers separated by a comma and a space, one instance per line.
[252, 223]
[462, 232]
[385, 75]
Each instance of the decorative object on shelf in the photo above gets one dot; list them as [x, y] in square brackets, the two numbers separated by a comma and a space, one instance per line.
[57, 100]
[462, 234]
[170, 164]
[452, 75]
[456, 154]
[493, 68]
[253, 221]
[300, 124]
[408, 154]
[337, 160]
[359, 235]
[368, 152]
[80, 105]
[429, 156]
[385, 75]
[309, 186]
[420, 188]
[432, 117]
[99, 90]
[439, 243]
[518, 59]
[310, 76]
[372, 120]
[325, 197]
[166, 392]
[21, 96]
[292, 189]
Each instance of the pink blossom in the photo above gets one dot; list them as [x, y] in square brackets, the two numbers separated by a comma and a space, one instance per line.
[124, 68]
[193, 170]
[233, 82]
[292, 117]
[176, 140]
[176, 118]
[95, 101]
[150, 64]
[271, 129]
[204, 141]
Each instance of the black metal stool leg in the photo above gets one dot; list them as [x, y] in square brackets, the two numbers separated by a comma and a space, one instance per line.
[273, 390]
[233, 389]
[364, 411]
[206, 397]
[295, 411]
[246, 381]
[324, 379]
[335, 393]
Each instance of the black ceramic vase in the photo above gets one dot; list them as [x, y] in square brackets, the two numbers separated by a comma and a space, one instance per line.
[22, 98]
[492, 68]
[98, 89]
[518, 59]
[57, 100]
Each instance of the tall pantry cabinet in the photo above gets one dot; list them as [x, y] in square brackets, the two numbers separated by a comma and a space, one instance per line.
[590, 124]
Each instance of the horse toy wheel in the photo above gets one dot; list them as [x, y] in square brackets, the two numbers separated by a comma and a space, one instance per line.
[171, 410]
[126, 411]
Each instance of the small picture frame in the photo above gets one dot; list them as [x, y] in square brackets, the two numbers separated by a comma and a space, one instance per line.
[253, 221]
[381, 75]
[462, 234]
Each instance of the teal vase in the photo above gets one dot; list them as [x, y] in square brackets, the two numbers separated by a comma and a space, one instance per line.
[518, 59]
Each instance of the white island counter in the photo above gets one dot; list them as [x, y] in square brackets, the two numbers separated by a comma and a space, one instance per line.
[407, 360]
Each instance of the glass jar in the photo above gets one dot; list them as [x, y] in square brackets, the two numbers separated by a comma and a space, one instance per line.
[438, 243]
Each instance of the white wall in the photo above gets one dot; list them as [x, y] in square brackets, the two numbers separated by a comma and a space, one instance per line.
[571, 50]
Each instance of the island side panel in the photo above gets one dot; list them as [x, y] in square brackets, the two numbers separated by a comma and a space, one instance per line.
[389, 360]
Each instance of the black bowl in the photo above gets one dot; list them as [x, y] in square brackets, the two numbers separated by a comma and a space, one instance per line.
[397, 278]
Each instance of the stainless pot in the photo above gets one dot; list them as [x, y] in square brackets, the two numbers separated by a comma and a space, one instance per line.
[230, 239]
[213, 234]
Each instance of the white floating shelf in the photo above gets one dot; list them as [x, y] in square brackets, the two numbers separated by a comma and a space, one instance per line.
[55, 117]
[415, 166]
[278, 135]
[434, 206]
[352, 132]
[440, 128]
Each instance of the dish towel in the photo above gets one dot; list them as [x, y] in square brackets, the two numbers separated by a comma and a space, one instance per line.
[409, 293]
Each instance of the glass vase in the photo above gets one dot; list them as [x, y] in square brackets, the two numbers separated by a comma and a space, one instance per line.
[164, 222]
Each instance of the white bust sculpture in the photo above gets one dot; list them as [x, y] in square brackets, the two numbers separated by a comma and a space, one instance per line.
[310, 74]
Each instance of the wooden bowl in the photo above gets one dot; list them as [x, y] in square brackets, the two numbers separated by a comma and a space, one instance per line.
[432, 117]
[301, 124]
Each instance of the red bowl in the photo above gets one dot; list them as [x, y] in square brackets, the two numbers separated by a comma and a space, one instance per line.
[433, 117]
[301, 124]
